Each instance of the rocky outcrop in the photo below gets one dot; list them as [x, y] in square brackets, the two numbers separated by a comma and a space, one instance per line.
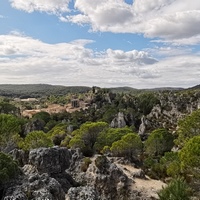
[35, 186]
[171, 109]
[33, 125]
[118, 121]
[106, 180]
[50, 160]
[57, 174]
[83, 193]
[44, 176]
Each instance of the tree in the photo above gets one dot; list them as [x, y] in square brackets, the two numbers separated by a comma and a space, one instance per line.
[8, 108]
[45, 116]
[8, 168]
[159, 142]
[176, 190]
[146, 101]
[188, 128]
[9, 132]
[110, 135]
[58, 133]
[171, 162]
[130, 146]
[35, 140]
[86, 137]
[190, 156]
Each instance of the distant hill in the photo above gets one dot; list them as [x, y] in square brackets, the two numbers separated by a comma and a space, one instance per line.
[38, 90]
[123, 89]
[166, 89]
[136, 91]
[196, 87]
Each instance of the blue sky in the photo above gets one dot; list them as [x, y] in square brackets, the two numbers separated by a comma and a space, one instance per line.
[109, 43]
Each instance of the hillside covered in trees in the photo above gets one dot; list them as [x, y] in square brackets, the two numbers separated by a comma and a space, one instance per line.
[101, 150]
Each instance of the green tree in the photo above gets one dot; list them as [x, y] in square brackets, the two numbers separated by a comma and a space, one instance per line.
[146, 101]
[9, 131]
[190, 156]
[176, 190]
[110, 135]
[58, 133]
[8, 168]
[8, 108]
[130, 146]
[171, 163]
[35, 140]
[188, 128]
[45, 116]
[159, 142]
[86, 137]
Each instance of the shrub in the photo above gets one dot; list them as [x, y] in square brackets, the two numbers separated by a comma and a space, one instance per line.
[8, 168]
[36, 139]
[130, 146]
[176, 190]
[188, 128]
[159, 142]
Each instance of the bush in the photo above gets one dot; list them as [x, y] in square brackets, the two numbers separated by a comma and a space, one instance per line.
[101, 163]
[109, 136]
[176, 190]
[35, 140]
[159, 142]
[130, 146]
[188, 128]
[86, 137]
[10, 128]
[8, 168]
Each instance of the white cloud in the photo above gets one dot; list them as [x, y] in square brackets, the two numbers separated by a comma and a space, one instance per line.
[177, 21]
[49, 6]
[1, 17]
[27, 60]
[166, 51]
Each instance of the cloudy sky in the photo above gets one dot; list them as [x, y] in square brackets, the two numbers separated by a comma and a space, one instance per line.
[107, 43]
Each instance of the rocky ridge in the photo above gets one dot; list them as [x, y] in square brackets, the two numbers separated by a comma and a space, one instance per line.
[57, 174]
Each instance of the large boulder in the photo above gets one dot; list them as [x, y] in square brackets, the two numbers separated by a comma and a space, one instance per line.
[50, 160]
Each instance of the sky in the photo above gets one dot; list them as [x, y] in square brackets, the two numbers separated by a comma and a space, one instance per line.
[105, 43]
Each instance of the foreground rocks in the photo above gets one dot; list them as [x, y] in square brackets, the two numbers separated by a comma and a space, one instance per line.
[43, 176]
[108, 179]
[58, 174]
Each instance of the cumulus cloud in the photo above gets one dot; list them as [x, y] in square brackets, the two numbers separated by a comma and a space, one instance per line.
[27, 60]
[177, 21]
[49, 6]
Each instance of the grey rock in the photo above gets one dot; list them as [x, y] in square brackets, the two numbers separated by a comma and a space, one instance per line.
[139, 174]
[118, 121]
[15, 193]
[20, 156]
[35, 187]
[82, 193]
[34, 125]
[50, 160]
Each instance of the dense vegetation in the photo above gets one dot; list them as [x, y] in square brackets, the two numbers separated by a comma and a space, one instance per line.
[38, 90]
[91, 131]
